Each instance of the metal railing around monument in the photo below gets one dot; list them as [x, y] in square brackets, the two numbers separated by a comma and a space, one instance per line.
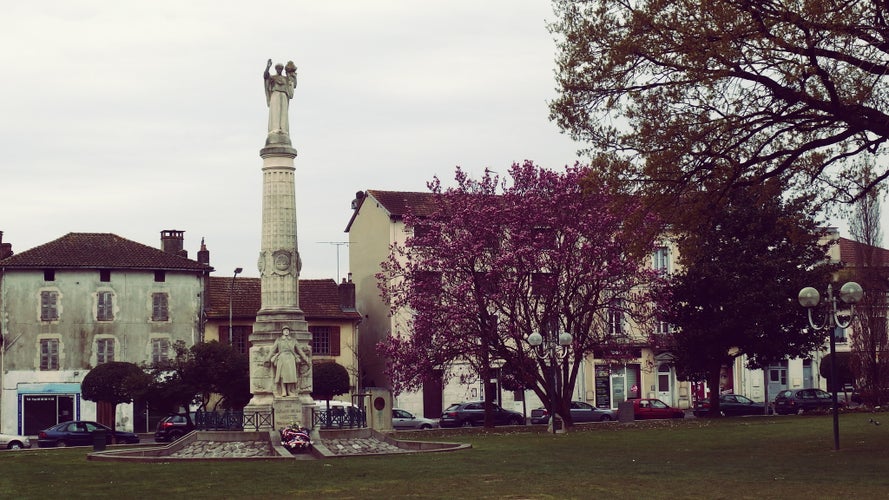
[339, 417]
[233, 420]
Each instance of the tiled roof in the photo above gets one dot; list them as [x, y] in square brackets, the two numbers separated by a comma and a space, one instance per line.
[99, 251]
[318, 299]
[851, 251]
[398, 203]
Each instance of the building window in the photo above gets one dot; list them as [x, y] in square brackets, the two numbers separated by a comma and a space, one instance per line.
[615, 319]
[104, 306]
[104, 275]
[661, 260]
[160, 350]
[664, 328]
[49, 354]
[159, 308]
[160, 276]
[104, 351]
[424, 235]
[49, 306]
[325, 340]
[49, 275]
[239, 338]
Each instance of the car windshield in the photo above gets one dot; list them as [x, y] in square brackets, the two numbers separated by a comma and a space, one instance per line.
[657, 403]
[744, 400]
[453, 407]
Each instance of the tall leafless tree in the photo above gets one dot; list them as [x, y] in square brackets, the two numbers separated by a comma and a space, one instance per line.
[869, 341]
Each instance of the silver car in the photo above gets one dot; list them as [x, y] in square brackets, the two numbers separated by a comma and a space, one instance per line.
[402, 419]
[13, 442]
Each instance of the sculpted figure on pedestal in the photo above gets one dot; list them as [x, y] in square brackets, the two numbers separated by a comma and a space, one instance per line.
[284, 359]
[278, 92]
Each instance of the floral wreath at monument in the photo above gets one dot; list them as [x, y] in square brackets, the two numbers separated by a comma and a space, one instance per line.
[295, 438]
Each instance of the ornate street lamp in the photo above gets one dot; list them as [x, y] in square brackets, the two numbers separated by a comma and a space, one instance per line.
[231, 289]
[850, 293]
[552, 349]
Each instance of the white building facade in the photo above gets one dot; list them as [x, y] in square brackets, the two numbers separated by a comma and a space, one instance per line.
[86, 299]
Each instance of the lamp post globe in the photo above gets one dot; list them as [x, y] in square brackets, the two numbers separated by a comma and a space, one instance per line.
[851, 293]
[809, 297]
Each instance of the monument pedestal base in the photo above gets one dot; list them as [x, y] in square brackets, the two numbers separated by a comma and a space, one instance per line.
[292, 410]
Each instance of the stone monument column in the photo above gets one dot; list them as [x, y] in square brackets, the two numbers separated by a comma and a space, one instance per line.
[280, 352]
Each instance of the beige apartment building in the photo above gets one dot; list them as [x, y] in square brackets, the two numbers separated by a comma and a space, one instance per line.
[377, 223]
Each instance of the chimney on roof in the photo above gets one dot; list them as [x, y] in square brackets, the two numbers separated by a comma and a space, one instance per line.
[204, 254]
[357, 201]
[172, 242]
[5, 248]
[347, 294]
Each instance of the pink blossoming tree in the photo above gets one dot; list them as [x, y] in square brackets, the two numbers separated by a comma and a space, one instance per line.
[497, 260]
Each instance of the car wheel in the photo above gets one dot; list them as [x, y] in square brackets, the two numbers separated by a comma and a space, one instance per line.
[722, 413]
[175, 435]
[516, 421]
[467, 423]
[425, 427]
[61, 444]
[15, 445]
[605, 418]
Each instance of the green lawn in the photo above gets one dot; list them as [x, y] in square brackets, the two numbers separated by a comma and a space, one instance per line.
[758, 457]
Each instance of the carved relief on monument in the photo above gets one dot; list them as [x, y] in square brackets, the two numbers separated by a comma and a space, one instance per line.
[281, 262]
[260, 263]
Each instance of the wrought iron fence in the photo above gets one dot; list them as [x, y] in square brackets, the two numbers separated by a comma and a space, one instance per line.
[339, 417]
[233, 420]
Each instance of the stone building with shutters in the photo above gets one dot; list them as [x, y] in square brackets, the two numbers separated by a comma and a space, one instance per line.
[329, 309]
[82, 300]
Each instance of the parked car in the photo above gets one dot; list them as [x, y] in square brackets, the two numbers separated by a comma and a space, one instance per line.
[402, 419]
[473, 413]
[80, 433]
[802, 400]
[648, 408]
[173, 427]
[14, 442]
[731, 405]
[580, 412]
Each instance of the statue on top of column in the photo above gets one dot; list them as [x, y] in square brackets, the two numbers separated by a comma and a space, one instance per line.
[278, 92]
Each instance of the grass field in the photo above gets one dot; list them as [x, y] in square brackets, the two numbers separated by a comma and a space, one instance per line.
[756, 457]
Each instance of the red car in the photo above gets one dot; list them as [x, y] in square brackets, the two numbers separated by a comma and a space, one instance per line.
[654, 408]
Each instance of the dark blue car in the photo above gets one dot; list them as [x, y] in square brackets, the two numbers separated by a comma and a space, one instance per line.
[81, 433]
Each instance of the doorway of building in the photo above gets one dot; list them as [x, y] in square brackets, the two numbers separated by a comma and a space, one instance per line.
[665, 383]
[777, 378]
[40, 411]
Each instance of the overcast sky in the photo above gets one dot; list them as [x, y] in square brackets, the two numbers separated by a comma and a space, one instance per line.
[134, 117]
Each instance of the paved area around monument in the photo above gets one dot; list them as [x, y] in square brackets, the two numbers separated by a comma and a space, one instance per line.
[360, 446]
[246, 449]
[224, 449]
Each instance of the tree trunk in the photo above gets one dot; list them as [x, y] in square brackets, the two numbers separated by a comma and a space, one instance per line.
[713, 383]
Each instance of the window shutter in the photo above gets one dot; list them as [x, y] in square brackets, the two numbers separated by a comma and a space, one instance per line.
[159, 307]
[334, 340]
[224, 337]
